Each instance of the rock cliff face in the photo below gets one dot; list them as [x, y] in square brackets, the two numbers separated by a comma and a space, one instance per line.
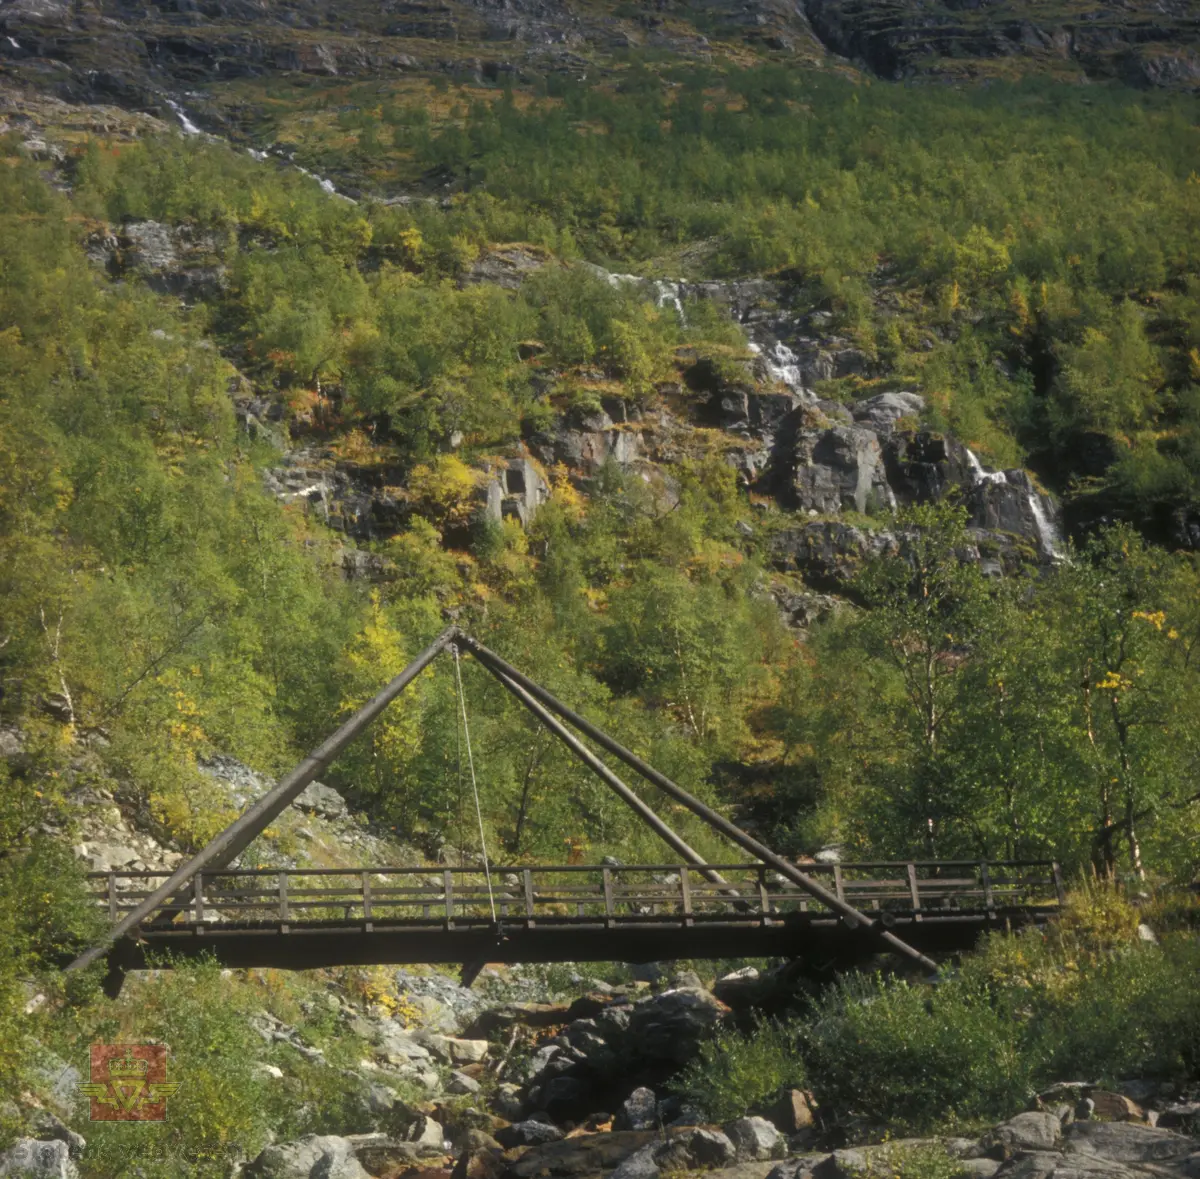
[146, 56]
[1146, 44]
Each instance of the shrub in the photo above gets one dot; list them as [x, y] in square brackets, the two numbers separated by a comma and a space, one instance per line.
[735, 1072]
[222, 1110]
[898, 1055]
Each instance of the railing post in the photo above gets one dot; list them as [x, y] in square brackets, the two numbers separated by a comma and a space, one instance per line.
[112, 897]
[764, 901]
[448, 889]
[368, 923]
[914, 891]
[1056, 876]
[838, 888]
[989, 900]
[685, 889]
[528, 879]
[609, 914]
[284, 910]
[198, 899]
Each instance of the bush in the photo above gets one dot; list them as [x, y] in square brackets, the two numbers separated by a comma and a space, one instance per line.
[222, 1110]
[735, 1072]
[890, 1053]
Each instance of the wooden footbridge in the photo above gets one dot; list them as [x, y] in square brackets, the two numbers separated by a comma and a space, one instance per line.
[686, 908]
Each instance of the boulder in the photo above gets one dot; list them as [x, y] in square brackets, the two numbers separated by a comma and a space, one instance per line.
[479, 1164]
[640, 1165]
[836, 469]
[47, 1127]
[1126, 1142]
[1115, 1107]
[319, 799]
[842, 1164]
[533, 1132]
[311, 1157]
[882, 412]
[460, 1083]
[381, 1155]
[29, 1158]
[755, 1139]
[691, 1150]
[791, 1113]
[450, 1049]
[586, 1154]
[668, 1026]
[1035, 1130]
[979, 1168]
[639, 1111]
[428, 1135]
[1179, 1115]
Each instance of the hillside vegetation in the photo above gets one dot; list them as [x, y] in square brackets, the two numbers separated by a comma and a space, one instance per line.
[1025, 256]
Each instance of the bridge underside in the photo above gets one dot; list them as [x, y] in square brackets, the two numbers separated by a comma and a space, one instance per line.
[823, 941]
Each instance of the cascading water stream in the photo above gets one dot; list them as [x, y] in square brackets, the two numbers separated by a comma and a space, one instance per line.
[1048, 535]
[781, 365]
[189, 128]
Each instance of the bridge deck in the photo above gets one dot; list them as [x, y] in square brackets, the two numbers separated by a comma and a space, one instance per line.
[311, 917]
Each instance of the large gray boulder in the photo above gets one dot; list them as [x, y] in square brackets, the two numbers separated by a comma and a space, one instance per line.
[755, 1139]
[533, 1132]
[1036, 1130]
[639, 1111]
[668, 1026]
[30, 1159]
[315, 1156]
[691, 1150]
[883, 411]
[1126, 1142]
[837, 469]
[319, 799]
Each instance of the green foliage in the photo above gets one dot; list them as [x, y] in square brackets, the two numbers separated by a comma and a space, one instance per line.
[1084, 998]
[736, 1072]
[897, 1055]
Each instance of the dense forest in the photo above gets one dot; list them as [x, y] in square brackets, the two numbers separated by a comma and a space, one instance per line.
[1026, 256]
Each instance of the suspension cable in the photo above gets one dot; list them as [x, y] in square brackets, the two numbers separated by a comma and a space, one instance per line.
[462, 703]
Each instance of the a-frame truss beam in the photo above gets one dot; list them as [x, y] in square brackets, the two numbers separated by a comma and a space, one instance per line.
[224, 848]
[714, 819]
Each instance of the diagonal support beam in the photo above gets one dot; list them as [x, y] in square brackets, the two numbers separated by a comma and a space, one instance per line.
[667, 834]
[225, 847]
[718, 821]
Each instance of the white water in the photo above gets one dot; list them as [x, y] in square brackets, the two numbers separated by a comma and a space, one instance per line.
[13, 42]
[979, 475]
[1048, 534]
[189, 128]
[781, 364]
[667, 293]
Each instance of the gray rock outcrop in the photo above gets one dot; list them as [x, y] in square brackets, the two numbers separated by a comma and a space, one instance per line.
[311, 1157]
[30, 1158]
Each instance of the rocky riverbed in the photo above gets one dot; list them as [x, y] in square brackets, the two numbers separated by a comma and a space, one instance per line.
[543, 1087]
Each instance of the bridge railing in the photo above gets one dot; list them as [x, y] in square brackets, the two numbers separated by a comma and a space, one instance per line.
[571, 895]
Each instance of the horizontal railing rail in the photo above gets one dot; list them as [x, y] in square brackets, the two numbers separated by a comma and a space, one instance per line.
[578, 894]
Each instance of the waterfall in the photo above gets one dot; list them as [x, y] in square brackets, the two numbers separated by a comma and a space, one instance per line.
[667, 295]
[666, 292]
[1048, 536]
[189, 128]
[979, 475]
[781, 364]
[13, 42]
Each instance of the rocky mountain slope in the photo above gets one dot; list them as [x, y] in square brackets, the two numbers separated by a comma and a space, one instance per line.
[151, 56]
